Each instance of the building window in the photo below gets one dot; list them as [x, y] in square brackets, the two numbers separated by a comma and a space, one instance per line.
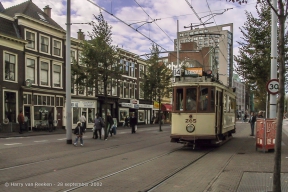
[126, 90]
[90, 91]
[10, 107]
[57, 75]
[126, 68]
[141, 71]
[44, 75]
[114, 88]
[30, 37]
[132, 90]
[73, 56]
[132, 69]
[44, 44]
[57, 48]
[121, 89]
[10, 67]
[31, 70]
[141, 92]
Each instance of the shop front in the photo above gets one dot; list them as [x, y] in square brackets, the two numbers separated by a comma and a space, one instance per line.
[141, 111]
[166, 112]
[86, 108]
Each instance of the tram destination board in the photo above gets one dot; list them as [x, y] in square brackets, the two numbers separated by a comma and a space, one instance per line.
[273, 86]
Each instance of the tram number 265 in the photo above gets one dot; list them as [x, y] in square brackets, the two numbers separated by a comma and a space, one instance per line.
[190, 120]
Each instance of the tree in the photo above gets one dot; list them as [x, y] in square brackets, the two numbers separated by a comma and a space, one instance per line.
[99, 66]
[281, 13]
[253, 65]
[157, 81]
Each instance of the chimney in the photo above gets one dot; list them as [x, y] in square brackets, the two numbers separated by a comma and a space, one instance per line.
[81, 35]
[47, 10]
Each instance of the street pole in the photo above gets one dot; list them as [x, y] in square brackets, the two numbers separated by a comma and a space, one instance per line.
[273, 103]
[178, 44]
[68, 77]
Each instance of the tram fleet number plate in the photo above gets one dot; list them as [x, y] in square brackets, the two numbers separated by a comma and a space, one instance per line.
[190, 120]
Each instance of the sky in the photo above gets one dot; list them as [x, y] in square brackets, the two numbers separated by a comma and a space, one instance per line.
[162, 31]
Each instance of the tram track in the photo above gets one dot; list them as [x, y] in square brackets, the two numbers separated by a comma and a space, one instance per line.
[123, 170]
[167, 177]
[72, 154]
[102, 178]
[75, 164]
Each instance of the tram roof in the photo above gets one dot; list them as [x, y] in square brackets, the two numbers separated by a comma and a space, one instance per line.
[201, 82]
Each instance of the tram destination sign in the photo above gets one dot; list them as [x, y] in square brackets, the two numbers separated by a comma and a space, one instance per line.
[273, 86]
[192, 71]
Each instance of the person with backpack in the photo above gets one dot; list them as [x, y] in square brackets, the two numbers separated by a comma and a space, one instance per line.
[98, 124]
[79, 131]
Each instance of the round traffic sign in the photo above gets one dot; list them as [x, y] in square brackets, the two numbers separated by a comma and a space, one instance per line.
[273, 86]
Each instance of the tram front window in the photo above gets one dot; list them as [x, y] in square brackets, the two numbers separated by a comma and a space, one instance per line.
[203, 99]
[191, 96]
[179, 99]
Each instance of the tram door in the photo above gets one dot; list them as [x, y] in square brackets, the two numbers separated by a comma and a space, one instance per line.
[219, 112]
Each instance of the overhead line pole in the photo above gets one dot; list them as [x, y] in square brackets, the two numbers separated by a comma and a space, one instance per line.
[68, 76]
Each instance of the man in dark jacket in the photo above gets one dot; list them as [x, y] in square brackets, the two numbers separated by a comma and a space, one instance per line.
[252, 122]
[79, 131]
[133, 122]
[111, 123]
[21, 121]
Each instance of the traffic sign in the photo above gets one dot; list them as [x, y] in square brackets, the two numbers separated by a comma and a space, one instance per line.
[177, 72]
[273, 86]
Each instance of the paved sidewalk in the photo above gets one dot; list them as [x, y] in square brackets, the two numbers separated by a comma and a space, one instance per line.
[63, 131]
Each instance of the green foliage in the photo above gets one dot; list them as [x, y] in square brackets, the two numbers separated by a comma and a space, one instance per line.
[157, 81]
[100, 59]
[99, 62]
[253, 62]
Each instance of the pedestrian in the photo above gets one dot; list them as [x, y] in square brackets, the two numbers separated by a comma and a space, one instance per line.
[79, 131]
[126, 121]
[83, 121]
[252, 121]
[110, 124]
[285, 115]
[242, 117]
[98, 124]
[260, 114]
[245, 116]
[133, 123]
[21, 122]
[50, 121]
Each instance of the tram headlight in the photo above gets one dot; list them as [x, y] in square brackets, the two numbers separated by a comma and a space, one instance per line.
[190, 128]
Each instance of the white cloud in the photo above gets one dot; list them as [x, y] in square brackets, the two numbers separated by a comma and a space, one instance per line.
[166, 10]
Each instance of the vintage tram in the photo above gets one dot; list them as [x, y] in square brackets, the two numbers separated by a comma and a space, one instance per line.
[204, 111]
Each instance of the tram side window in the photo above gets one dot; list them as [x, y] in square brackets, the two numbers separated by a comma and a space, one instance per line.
[212, 99]
[203, 99]
[232, 105]
[179, 100]
[224, 104]
[191, 98]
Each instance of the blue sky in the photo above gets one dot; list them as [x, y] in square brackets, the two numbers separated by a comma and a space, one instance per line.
[167, 11]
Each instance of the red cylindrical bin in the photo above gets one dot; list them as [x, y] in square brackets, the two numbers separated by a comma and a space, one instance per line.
[265, 134]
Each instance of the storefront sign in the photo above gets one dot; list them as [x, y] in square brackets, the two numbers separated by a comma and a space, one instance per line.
[145, 106]
[83, 104]
[156, 105]
[130, 105]
[134, 101]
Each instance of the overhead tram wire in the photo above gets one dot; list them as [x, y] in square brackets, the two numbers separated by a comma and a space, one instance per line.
[154, 22]
[204, 24]
[128, 25]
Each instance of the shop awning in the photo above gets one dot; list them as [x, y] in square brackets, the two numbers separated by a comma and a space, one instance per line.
[166, 107]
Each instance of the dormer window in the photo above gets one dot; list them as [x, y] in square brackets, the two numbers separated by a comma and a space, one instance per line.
[42, 18]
